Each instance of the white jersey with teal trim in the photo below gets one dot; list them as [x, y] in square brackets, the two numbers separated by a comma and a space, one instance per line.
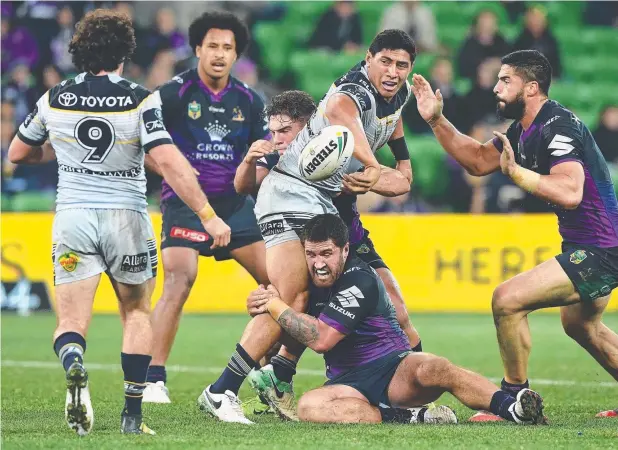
[100, 127]
[378, 117]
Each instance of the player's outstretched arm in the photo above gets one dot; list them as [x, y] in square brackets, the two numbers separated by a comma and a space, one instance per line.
[341, 110]
[477, 158]
[246, 178]
[23, 153]
[181, 177]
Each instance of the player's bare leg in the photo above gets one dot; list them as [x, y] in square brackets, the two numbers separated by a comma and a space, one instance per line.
[179, 274]
[253, 259]
[73, 313]
[582, 322]
[337, 404]
[134, 306]
[421, 378]
[394, 292]
[544, 286]
[287, 271]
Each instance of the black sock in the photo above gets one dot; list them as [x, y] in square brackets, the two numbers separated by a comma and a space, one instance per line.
[237, 369]
[156, 373]
[402, 415]
[135, 368]
[513, 389]
[418, 347]
[500, 404]
[70, 347]
[284, 368]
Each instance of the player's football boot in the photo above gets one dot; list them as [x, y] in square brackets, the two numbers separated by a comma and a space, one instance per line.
[485, 416]
[78, 408]
[156, 393]
[257, 406]
[133, 424]
[528, 409]
[610, 413]
[433, 415]
[278, 394]
[225, 407]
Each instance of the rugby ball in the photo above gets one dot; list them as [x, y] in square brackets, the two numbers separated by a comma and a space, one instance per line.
[326, 152]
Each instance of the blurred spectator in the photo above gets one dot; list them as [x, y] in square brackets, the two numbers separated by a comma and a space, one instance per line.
[601, 13]
[339, 28]
[247, 72]
[162, 69]
[606, 133]
[50, 77]
[441, 78]
[514, 9]
[18, 46]
[164, 36]
[483, 42]
[480, 103]
[21, 92]
[536, 35]
[60, 43]
[416, 19]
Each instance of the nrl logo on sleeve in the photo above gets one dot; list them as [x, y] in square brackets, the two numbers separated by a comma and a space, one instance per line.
[194, 110]
[68, 261]
[578, 256]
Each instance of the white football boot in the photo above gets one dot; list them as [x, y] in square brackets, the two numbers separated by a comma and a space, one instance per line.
[156, 393]
[225, 407]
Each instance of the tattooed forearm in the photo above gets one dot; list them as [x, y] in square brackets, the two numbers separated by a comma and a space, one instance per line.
[301, 327]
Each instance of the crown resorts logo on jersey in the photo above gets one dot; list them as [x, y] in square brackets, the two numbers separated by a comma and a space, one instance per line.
[237, 115]
[194, 110]
[68, 261]
[217, 131]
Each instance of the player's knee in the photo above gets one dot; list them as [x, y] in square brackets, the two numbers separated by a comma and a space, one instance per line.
[431, 371]
[307, 407]
[577, 329]
[178, 285]
[504, 301]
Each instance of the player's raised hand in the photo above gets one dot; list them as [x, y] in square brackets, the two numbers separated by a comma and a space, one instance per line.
[507, 158]
[257, 150]
[428, 103]
[219, 230]
[360, 182]
[257, 300]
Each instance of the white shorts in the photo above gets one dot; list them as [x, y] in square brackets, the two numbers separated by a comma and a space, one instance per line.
[285, 204]
[87, 242]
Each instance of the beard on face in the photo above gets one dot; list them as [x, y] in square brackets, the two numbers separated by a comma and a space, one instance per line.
[514, 110]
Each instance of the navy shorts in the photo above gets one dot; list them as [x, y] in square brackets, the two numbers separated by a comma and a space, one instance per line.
[182, 227]
[592, 270]
[372, 379]
[366, 251]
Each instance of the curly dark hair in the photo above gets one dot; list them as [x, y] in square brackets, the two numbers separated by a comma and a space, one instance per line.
[221, 20]
[393, 40]
[297, 105]
[103, 40]
[323, 227]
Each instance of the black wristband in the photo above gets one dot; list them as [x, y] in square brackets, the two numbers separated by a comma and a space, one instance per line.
[399, 149]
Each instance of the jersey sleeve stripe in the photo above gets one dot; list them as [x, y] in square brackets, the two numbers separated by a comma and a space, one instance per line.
[560, 161]
[163, 141]
[333, 324]
[29, 141]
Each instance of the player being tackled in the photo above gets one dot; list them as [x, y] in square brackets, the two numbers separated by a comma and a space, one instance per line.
[373, 375]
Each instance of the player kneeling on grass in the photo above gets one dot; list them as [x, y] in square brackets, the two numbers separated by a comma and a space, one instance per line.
[373, 375]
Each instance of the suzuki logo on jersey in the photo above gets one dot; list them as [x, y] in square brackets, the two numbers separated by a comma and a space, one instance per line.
[217, 131]
[67, 99]
[339, 309]
[348, 298]
[560, 145]
[110, 102]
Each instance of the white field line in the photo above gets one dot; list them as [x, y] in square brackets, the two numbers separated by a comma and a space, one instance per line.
[309, 372]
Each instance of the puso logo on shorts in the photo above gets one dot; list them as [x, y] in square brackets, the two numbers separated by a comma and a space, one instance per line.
[189, 235]
[68, 261]
[578, 256]
[134, 263]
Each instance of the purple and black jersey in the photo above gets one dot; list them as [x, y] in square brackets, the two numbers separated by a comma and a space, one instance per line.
[358, 306]
[345, 203]
[213, 131]
[556, 136]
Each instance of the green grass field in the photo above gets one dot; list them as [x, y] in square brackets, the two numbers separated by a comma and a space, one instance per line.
[575, 388]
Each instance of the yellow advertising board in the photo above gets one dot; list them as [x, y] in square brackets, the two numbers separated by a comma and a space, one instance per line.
[442, 262]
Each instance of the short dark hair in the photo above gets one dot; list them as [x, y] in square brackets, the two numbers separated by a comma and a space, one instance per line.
[297, 105]
[393, 40]
[103, 40]
[531, 65]
[221, 20]
[323, 227]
